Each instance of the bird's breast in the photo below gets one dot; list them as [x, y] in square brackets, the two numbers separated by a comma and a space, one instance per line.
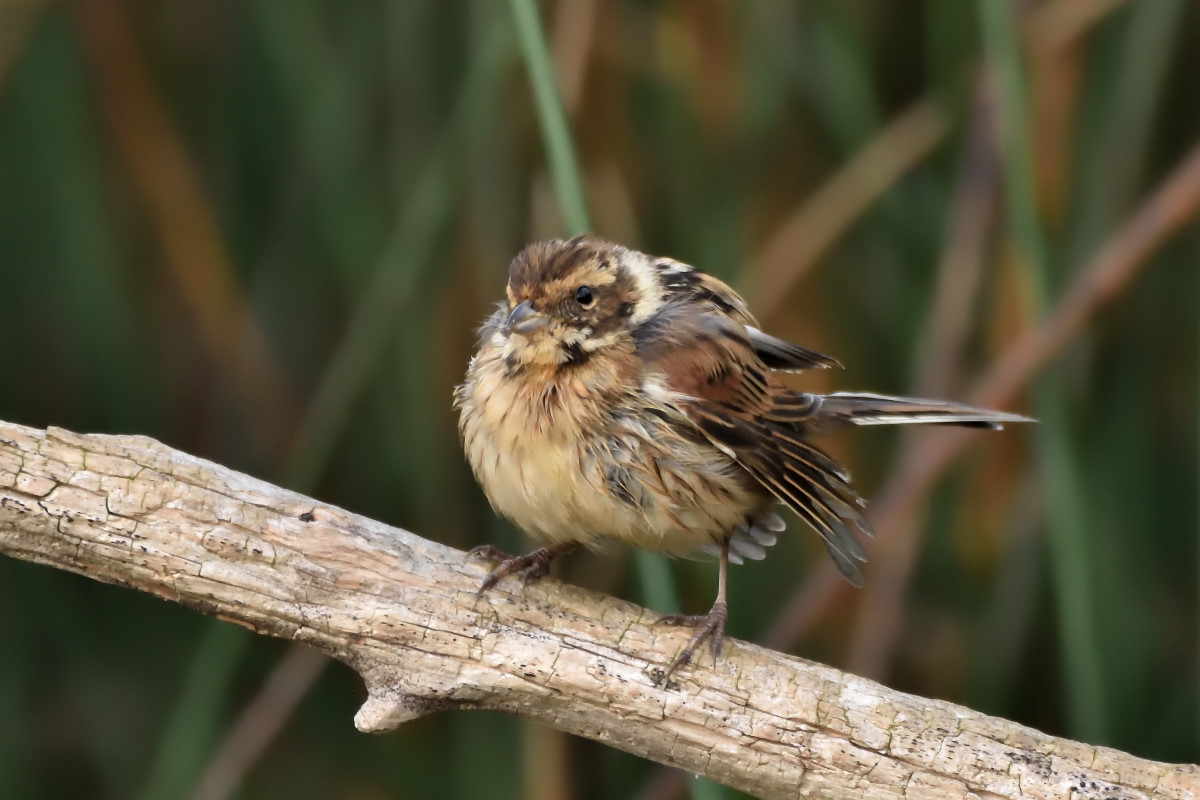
[579, 457]
[524, 435]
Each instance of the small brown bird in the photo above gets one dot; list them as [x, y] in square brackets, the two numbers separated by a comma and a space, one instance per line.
[621, 397]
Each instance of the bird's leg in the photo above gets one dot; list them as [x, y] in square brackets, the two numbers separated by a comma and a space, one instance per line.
[535, 564]
[709, 626]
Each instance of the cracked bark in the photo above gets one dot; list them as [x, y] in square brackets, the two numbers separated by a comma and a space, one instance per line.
[402, 612]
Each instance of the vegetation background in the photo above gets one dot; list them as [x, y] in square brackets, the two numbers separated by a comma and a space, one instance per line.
[264, 232]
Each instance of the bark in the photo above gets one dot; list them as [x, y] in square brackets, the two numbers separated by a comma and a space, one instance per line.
[402, 612]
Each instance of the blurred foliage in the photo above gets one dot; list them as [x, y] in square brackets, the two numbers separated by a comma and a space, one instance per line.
[264, 232]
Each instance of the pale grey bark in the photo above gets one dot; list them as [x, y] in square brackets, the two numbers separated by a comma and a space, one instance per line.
[402, 611]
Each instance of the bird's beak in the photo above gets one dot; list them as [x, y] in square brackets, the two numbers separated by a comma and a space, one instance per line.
[525, 320]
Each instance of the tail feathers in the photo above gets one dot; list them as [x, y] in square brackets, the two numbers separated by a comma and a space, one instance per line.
[862, 408]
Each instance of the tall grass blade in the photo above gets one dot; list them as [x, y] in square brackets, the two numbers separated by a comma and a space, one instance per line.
[1070, 560]
[564, 166]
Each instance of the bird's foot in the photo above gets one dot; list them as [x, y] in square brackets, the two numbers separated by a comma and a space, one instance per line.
[710, 626]
[535, 564]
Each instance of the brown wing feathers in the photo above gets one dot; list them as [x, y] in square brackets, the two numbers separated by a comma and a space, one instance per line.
[743, 410]
[699, 290]
[706, 343]
[788, 357]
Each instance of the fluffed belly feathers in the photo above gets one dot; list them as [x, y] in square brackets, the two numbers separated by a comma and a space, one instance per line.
[571, 472]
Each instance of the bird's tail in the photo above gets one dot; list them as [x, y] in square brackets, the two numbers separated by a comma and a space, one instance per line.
[862, 408]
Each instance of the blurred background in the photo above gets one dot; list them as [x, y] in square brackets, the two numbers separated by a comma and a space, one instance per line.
[264, 232]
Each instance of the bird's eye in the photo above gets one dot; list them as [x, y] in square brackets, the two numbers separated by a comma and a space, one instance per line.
[584, 296]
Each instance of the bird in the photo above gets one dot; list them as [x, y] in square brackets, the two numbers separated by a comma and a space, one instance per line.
[617, 396]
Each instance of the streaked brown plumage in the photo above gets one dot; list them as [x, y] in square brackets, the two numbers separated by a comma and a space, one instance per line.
[621, 397]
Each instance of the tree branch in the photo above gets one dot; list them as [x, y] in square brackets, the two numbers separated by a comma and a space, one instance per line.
[402, 612]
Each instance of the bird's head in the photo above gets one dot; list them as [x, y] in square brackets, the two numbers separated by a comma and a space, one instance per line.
[568, 300]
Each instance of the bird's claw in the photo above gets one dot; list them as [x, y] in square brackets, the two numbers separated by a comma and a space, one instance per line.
[535, 565]
[710, 626]
[488, 552]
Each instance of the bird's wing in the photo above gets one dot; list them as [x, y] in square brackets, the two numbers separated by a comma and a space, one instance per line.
[785, 356]
[683, 283]
[708, 363]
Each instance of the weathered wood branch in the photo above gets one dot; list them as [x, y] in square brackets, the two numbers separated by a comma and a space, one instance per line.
[402, 612]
